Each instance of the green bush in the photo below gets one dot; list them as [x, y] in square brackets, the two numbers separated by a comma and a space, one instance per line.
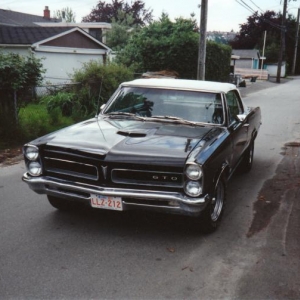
[65, 101]
[35, 121]
[218, 57]
[18, 73]
[97, 84]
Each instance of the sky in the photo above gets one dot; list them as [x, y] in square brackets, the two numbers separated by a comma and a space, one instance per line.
[223, 15]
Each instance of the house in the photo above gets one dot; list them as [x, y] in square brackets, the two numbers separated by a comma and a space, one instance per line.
[95, 29]
[62, 46]
[62, 49]
[249, 58]
[249, 63]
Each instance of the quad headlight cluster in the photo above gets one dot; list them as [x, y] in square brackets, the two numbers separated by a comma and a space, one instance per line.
[32, 159]
[193, 184]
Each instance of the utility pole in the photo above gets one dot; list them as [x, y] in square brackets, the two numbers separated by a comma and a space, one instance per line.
[296, 44]
[282, 42]
[263, 55]
[202, 41]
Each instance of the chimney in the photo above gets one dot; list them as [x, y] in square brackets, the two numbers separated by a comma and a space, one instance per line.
[46, 12]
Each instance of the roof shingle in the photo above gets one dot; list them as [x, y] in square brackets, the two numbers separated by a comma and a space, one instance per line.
[28, 35]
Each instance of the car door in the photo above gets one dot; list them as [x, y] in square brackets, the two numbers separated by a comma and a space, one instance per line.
[238, 130]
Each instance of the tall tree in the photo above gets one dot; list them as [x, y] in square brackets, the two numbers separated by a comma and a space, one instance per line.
[107, 12]
[167, 45]
[250, 35]
[121, 30]
[67, 14]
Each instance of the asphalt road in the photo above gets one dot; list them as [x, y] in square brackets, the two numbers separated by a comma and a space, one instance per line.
[93, 254]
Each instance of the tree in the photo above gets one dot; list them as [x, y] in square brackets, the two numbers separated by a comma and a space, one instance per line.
[167, 45]
[121, 30]
[70, 16]
[17, 75]
[106, 12]
[251, 32]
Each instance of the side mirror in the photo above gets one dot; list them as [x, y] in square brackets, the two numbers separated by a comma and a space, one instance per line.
[99, 111]
[240, 118]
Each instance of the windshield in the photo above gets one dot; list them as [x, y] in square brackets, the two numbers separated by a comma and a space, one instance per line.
[159, 103]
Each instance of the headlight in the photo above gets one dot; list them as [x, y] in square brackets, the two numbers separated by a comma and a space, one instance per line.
[193, 188]
[31, 152]
[34, 168]
[193, 172]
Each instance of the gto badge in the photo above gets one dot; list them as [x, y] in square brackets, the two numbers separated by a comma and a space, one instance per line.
[164, 178]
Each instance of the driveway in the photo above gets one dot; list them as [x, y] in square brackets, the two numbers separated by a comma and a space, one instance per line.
[94, 254]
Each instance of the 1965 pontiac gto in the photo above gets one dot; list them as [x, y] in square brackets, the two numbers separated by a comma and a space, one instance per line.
[168, 145]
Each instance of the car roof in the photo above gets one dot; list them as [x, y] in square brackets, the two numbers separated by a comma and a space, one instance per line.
[182, 84]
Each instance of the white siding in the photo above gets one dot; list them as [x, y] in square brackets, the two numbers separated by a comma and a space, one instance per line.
[272, 69]
[60, 66]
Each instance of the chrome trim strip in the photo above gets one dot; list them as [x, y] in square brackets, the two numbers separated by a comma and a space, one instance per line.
[39, 184]
[154, 206]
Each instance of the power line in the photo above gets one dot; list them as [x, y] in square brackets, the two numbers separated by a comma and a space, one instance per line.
[248, 6]
[251, 10]
[256, 6]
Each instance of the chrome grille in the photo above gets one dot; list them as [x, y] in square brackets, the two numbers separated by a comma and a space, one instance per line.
[93, 169]
[71, 166]
[145, 177]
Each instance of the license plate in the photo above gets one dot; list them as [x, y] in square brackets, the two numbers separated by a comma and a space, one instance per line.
[106, 202]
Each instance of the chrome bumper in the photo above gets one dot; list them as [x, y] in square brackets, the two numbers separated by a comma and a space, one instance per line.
[176, 202]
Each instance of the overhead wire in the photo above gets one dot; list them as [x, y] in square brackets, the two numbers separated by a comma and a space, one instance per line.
[244, 6]
[280, 27]
[249, 8]
[256, 5]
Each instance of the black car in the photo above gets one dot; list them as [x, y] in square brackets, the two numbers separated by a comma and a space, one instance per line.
[168, 145]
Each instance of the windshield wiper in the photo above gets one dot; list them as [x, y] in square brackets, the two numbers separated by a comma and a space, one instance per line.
[176, 120]
[121, 113]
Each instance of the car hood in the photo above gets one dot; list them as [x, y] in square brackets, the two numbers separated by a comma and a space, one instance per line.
[128, 140]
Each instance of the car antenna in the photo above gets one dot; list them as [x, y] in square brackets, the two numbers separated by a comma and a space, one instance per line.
[98, 103]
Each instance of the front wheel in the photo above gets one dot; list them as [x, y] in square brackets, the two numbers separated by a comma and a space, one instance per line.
[211, 216]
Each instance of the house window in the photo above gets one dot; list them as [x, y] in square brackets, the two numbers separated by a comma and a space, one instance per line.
[96, 33]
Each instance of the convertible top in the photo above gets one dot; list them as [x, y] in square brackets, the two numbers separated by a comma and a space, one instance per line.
[182, 84]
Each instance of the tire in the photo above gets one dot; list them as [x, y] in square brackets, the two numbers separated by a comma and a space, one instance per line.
[60, 203]
[247, 161]
[212, 215]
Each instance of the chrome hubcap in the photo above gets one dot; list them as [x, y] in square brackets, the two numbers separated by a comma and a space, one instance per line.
[217, 202]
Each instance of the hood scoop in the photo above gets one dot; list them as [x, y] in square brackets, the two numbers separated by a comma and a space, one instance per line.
[133, 134]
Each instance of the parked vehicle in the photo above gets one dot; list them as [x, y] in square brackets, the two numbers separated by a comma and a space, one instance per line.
[168, 145]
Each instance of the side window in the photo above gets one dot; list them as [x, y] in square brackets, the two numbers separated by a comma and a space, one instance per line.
[234, 106]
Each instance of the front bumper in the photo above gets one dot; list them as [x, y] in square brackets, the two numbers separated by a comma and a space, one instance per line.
[171, 202]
